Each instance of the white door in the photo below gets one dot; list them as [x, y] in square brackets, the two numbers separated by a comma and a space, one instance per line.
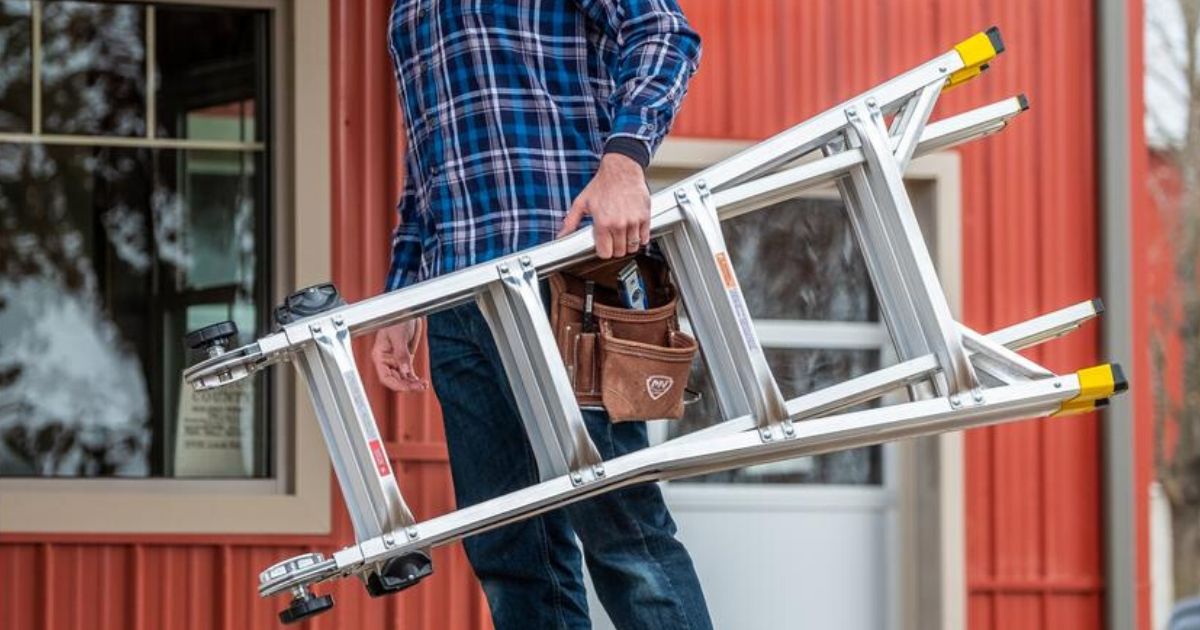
[808, 543]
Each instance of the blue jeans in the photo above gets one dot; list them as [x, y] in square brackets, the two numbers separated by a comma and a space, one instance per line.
[531, 571]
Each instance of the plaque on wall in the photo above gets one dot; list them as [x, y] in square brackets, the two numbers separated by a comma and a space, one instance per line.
[214, 432]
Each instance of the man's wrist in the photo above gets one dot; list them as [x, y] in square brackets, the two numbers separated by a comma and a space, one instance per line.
[630, 147]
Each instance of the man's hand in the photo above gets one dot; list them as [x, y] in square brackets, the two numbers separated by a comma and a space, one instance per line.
[619, 202]
[393, 356]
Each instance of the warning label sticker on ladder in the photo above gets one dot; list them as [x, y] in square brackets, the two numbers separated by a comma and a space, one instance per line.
[380, 457]
[745, 324]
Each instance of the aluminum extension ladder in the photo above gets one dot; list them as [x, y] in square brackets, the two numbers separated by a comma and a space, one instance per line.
[956, 378]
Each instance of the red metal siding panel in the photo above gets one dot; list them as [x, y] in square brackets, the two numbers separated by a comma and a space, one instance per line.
[1029, 234]
[1033, 538]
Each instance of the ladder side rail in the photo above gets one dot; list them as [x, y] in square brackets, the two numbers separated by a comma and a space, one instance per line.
[812, 134]
[886, 185]
[870, 386]
[356, 449]
[461, 287]
[879, 425]
[666, 461]
[549, 411]
[787, 184]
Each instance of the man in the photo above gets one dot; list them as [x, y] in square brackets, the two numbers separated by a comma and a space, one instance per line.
[524, 119]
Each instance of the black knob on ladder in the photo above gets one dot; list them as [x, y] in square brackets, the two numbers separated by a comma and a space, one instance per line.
[307, 302]
[214, 338]
[400, 573]
[305, 606]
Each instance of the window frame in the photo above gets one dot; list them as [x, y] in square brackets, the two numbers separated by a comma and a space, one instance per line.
[296, 499]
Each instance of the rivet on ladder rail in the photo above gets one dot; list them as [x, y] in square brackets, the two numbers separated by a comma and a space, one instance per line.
[412, 532]
[955, 401]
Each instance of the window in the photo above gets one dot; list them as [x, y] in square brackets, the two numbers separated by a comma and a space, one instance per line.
[136, 204]
[818, 323]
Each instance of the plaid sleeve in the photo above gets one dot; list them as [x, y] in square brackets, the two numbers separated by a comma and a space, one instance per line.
[658, 53]
[407, 243]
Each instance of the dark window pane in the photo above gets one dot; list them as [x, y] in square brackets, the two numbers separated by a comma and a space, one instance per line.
[800, 260]
[210, 88]
[99, 252]
[93, 69]
[16, 91]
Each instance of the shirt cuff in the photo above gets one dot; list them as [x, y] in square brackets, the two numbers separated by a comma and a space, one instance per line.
[631, 147]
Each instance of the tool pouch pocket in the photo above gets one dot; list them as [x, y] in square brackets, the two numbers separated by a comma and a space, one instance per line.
[633, 363]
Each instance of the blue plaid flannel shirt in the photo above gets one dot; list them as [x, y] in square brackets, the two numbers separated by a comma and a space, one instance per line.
[509, 105]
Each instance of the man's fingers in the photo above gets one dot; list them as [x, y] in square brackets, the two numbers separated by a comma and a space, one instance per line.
[391, 382]
[620, 237]
[392, 357]
[571, 221]
[401, 377]
[604, 241]
[644, 233]
[409, 379]
[380, 355]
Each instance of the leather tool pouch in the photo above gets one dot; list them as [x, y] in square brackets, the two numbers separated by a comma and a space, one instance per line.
[633, 363]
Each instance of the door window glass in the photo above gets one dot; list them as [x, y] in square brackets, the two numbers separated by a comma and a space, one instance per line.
[799, 266]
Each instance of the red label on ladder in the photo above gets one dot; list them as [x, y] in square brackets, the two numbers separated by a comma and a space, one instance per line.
[381, 460]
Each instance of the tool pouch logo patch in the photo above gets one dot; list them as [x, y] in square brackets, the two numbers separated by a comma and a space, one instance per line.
[657, 386]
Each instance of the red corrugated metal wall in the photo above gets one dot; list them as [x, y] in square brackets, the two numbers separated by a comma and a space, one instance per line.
[1033, 505]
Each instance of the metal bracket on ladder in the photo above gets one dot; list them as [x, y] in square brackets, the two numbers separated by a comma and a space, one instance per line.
[514, 310]
[721, 320]
[356, 449]
[957, 378]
